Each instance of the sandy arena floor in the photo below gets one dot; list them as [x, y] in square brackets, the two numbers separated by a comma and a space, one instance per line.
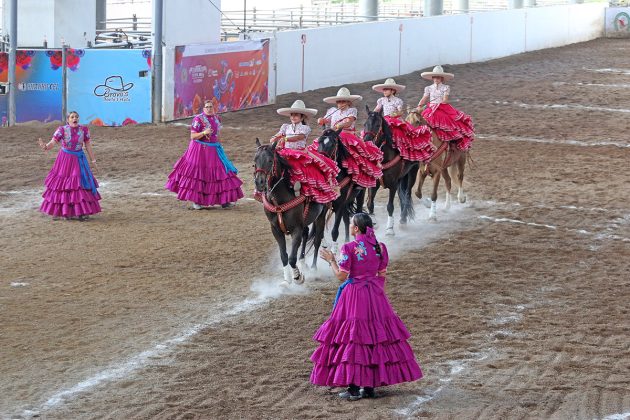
[517, 300]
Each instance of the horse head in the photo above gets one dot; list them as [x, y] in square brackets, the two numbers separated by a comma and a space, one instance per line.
[265, 165]
[376, 129]
[329, 143]
[413, 116]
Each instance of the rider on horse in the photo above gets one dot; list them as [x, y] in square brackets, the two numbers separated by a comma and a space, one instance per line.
[311, 173]
[364, 161]
[449, 124]
[413, 143]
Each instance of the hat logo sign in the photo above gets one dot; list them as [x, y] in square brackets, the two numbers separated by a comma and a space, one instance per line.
[113, 86]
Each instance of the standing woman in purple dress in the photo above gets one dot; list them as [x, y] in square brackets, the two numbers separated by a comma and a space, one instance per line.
[70, 185]
[363, 344]
[204, 174]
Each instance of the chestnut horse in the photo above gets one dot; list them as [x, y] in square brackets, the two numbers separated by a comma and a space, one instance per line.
[447, 162]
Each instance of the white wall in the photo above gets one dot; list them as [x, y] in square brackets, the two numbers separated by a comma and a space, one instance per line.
[53, 20]
[337, 55]
[342, 54]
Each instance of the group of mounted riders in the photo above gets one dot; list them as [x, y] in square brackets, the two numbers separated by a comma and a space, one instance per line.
[297, 182]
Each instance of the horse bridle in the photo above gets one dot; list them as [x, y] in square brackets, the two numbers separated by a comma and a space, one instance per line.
[376, 134]
[267, 173]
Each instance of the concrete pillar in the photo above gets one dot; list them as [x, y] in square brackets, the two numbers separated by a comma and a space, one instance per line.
[461, 6]
[369, 8]
[530, 3]
[433, 7]
[576, 1]
[515, 4]
[101, 14]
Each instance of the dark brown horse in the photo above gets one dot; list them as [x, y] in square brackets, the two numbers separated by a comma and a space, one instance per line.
[287, 214]
[329, 144]
[399, 175]
[447, 162]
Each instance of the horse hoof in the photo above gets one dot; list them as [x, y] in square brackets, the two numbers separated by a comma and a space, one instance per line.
[299, 279]
[426, 203]
[433, 218]
[390, 232]
[462, 199]
[284, 284]
[302, 264]
[402, 221]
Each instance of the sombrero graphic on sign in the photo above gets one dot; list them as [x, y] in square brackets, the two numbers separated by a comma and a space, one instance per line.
[113, 86]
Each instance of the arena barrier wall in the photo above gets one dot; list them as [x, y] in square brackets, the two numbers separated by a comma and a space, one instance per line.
[335, 55]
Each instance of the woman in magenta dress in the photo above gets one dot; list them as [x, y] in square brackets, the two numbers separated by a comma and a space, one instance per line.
[312, 174]
[413, 143]
[449, 124]
[71, 189]
[204, 174]
[363, 344]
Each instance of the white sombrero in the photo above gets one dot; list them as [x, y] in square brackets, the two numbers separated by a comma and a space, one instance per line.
[298, 107]
[437, 71]
[343, 94]
[389, 84]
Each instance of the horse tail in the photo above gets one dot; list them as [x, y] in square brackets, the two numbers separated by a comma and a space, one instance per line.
[404, 196]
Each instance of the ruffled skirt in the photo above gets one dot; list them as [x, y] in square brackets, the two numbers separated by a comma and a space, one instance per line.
[450, 124]
[64, 196]
[364, 162]
[316, 173]
[413, 143]
[364, 342]
[200, 176]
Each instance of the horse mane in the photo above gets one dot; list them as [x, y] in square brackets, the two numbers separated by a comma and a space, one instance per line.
[283, 166]
[387, 132]
[342, 152]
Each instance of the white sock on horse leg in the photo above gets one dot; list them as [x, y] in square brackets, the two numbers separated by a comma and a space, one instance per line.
[390, 222]
[433, 211]
[288, 274]
[447, 205]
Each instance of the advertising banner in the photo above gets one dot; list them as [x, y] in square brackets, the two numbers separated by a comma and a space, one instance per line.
[111, 87]
[38, 83]
[618, 22]
[234, 75]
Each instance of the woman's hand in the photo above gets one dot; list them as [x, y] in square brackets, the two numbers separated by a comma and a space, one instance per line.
[321, 121]
[42, 145]
[207, 131]
[326, 255]
[93, 167]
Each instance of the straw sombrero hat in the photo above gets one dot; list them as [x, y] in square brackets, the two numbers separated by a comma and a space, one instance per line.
[437, 71]
[298, 107]
[389, 84]
[343, 94]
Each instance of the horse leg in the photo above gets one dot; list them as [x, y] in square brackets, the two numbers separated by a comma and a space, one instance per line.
[360, 200]
[334, 233]
[447, 183]
[390, 212]
[320, 226]
[301, 262]
[371, 195]
[282, 245]
[296, 240]
[434, 195]
[461, 164]
[345, 215]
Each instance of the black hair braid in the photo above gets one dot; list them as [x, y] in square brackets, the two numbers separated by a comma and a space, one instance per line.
[363, 221]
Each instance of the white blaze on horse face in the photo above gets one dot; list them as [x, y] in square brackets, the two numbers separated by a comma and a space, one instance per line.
[327, 140]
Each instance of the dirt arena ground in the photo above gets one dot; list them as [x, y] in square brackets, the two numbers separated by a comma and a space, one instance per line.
[517, 300]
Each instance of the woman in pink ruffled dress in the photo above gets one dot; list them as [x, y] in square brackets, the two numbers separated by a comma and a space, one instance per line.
[204, 174]
[363, 345]
[449, 124]
[71, 189]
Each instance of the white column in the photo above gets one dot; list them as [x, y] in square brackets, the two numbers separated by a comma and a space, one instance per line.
[433, 7]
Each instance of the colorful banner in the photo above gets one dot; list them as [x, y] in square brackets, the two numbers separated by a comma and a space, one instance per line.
[234, 75]
[38, 82]
[111, 87]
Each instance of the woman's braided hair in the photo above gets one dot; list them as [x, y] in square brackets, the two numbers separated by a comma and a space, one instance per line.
[364, 221]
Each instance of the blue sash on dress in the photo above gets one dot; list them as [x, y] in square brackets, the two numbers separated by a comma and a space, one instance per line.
[227, 164]
[339, 290]
[87, 178]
